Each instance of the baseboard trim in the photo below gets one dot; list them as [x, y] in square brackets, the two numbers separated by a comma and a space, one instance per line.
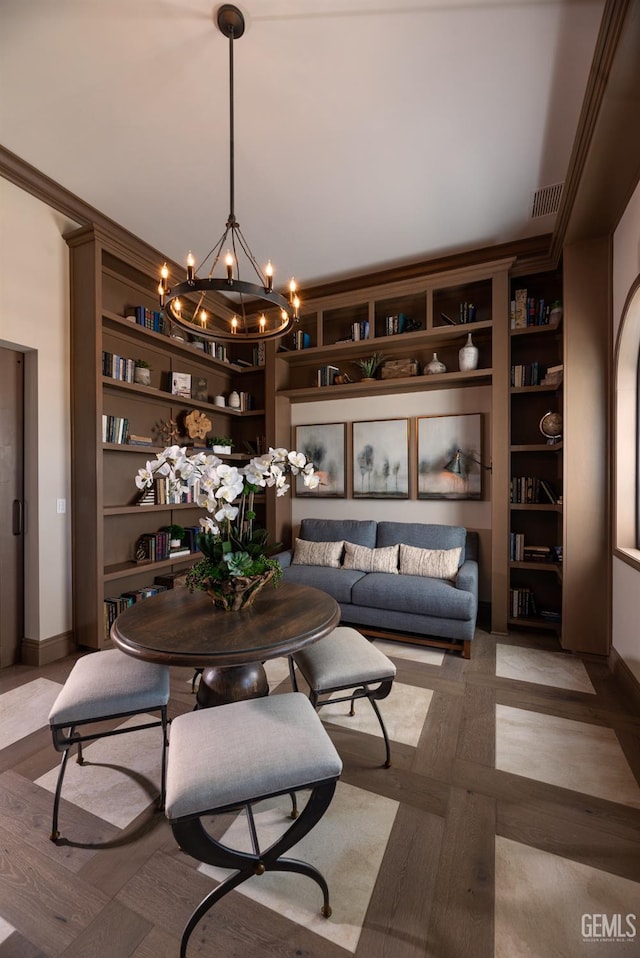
[623, 674]
[48, 650]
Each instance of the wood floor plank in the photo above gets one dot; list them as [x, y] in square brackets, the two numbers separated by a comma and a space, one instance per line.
[436, 748]
[558, 803]
[571, 839]
[461, 920]
[43, 901]
[477, 738]
[398, 914]
[26, 810]
[115, 932]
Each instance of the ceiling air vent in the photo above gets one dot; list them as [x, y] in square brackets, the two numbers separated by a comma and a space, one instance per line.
[546, 200]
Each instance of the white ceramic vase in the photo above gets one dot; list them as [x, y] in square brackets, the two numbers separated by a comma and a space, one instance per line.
[468, 355]
[435, 366]
[234, 400]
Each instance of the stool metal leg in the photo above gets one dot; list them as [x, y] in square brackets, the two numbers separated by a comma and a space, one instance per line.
[193, 839]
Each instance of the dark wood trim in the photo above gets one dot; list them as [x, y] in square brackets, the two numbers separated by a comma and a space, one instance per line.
[603, 168]
[425, 640]
[48, 650]
[625, 677]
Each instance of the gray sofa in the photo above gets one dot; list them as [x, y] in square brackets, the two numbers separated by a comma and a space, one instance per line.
[434, 611]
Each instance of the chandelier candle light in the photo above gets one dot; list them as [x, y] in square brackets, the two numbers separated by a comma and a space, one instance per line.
[235, 566]
[250, 325]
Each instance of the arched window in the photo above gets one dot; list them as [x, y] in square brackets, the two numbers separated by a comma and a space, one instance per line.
[627, 431]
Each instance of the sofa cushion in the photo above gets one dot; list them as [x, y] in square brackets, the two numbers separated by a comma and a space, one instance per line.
[420, 534]
[317, 553]
[362, 532]
[337, 582]
[437, 563]
[410, 593]
[370, 560]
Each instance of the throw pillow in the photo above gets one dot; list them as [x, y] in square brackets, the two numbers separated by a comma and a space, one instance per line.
[436, 563]
[370, 560]
[317, 553]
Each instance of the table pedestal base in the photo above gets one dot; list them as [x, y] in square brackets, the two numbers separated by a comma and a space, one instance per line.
[218, 686]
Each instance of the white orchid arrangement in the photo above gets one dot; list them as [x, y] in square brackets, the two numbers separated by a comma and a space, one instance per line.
[228, 541]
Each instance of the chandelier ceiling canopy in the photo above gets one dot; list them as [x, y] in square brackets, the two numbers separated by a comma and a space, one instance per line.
[255, 310]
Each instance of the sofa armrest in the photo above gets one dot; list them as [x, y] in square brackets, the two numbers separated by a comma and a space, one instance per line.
[467, 578]
[284, 558]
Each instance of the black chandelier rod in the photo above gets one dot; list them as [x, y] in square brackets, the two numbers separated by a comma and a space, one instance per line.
[232, 177]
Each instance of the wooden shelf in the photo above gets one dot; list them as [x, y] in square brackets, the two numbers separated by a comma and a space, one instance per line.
[521, 390]
[387, 387]
[122, 570]
[404, 342]
[537, 447]
[536, 330]
[535, 623]
[537, 566]
[163, 507]
[535, 506]
[161, 395]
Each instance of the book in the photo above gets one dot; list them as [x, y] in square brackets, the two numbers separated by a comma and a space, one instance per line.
[181, 385]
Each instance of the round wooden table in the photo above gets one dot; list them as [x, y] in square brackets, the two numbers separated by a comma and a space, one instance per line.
[184, 628]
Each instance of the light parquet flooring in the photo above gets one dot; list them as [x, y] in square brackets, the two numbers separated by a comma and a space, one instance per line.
[500, 832]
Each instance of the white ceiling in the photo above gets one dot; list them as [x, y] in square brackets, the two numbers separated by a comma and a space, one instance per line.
[367, 133]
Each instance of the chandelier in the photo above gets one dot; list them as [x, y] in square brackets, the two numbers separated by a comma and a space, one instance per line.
[185, 302]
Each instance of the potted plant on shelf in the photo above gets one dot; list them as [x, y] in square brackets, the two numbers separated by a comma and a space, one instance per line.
[369, 366]
[142, 372]
[220, 444]
[176, 535]
[235, 564]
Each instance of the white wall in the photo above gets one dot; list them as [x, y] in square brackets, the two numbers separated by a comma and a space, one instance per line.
[34, 318]
[471, 514]
[626, 579]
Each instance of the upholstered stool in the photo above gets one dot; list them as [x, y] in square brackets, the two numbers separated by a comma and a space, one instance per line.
[343, 660]
[233, 756]
[106, 685]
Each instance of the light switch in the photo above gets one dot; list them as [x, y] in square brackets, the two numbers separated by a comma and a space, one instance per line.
[61, 506]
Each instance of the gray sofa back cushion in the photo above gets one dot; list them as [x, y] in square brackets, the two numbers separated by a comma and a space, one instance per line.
[423, 536]
[362, 532]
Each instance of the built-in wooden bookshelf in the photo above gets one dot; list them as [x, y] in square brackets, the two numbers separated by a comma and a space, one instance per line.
[536, 464]
[108, 522]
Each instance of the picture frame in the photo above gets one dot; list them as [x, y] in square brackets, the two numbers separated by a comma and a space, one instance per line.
[181, 385]
[381, 459]
[324, 444]
[449, 457]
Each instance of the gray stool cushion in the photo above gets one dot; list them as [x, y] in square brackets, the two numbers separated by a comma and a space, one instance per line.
[236, 753]
[108, 683]
[344, 658]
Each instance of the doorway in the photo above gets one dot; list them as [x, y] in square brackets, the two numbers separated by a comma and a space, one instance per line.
[11, 505]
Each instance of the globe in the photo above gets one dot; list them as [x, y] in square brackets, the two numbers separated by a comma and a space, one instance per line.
[551, 426]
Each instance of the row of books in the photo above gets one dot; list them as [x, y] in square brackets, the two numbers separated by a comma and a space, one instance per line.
[327, 375]
[526, 374]
[522, 603]
[528, 310]
[117, 367]
[467, 313]
[394, 324]
[114, 605]
[532, 490]
[301, 339]
[156, 546]
[115, 429]
[360, 330]
[149, 318]
[165, 492]
[246, 401]
[521, 551]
